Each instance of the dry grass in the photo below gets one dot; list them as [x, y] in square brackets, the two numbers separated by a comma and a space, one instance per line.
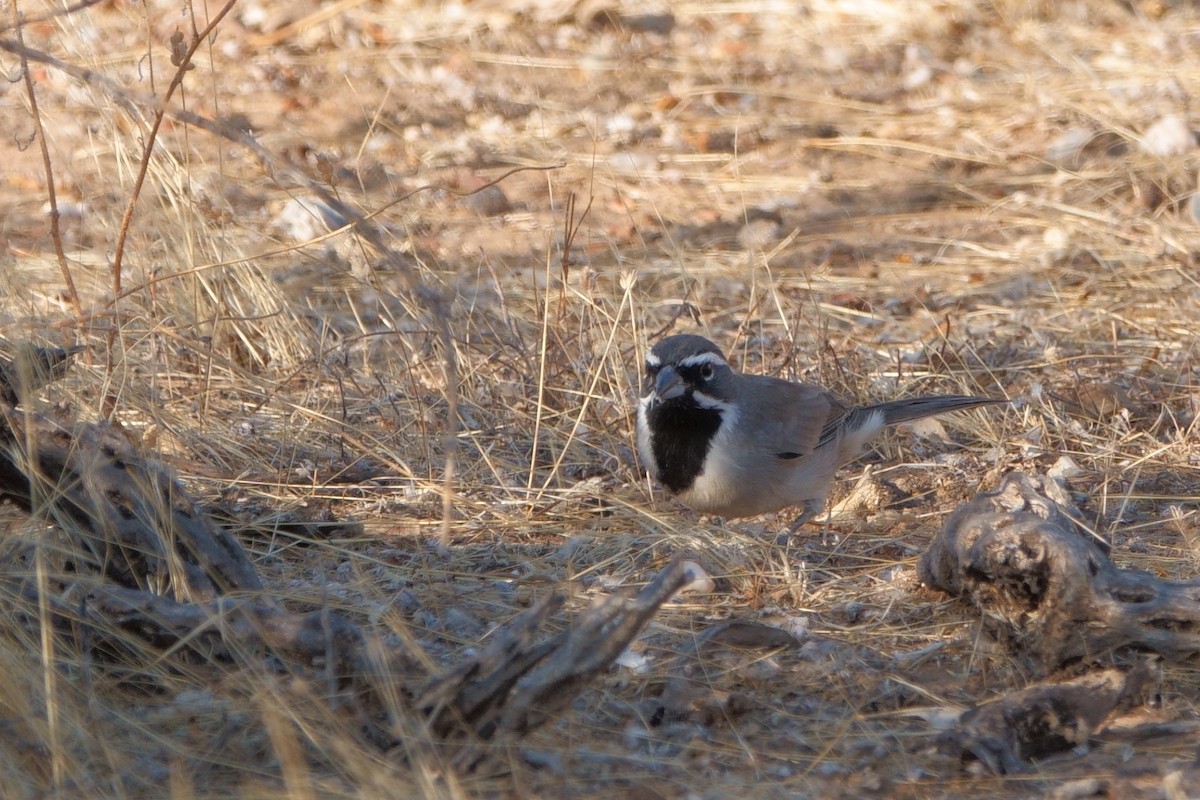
[917, 241]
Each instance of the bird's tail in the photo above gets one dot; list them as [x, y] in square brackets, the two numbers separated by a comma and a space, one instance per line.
[861, 423]
[895, 411]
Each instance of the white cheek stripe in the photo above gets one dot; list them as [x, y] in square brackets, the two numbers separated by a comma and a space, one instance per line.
[708, 401]
[645, 448]
[653, 360]
[703, 358]
[729, 410]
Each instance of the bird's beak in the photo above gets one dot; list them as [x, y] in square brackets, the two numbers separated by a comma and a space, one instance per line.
[668, 384]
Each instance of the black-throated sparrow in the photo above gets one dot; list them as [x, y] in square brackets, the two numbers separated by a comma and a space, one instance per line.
[738, 445]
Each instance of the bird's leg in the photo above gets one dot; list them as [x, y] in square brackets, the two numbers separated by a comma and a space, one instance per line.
[825, 527]
[811, 509]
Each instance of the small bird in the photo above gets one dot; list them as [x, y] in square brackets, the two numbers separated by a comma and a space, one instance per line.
[26, 367]
[738, 445]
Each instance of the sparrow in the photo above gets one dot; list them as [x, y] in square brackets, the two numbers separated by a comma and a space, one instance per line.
[738, 445]
[26, 367]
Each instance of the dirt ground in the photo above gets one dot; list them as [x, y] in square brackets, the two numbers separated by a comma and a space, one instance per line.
[887, 198]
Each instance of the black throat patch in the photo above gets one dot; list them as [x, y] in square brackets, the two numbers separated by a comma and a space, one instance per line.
[680, 434]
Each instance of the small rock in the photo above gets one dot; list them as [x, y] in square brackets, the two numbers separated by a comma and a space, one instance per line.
[1066, 151]
[1057, 242]
[660, 23]
[570, 548]
[1064, 469]
[929, 429]
[634, 661]
[759, 234]
[1078, 144]
[1076, 789]
[195, 701]
[460, 623]
[1169, 137]
[68, 209]
[748, 634]
[1099, 400]
[549, 760]
[699, 581]
[918, 76]
[629, 163]
[302, 219]
[609, 582]
[490, 201]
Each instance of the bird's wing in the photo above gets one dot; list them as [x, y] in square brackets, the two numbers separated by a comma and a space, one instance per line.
[794, 419]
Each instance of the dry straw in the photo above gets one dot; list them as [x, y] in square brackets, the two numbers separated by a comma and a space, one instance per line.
[420, 416]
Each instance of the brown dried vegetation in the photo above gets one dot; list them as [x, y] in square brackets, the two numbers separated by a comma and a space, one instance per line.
[377, 286]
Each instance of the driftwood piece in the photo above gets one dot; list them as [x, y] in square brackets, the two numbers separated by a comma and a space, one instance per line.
[470, 697]
[129, 516]
[590, 645]
[120, 623]
[516, 684]
[513, 686]
[1047, 588]
[122, 626]
[1007, 734]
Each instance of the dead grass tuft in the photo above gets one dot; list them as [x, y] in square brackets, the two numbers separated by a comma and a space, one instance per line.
[881, 200]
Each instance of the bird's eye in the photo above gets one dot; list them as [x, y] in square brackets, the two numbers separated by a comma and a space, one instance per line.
[651, 369]
[706, 372]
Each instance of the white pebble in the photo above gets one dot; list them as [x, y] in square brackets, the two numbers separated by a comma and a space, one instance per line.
[1168, 137]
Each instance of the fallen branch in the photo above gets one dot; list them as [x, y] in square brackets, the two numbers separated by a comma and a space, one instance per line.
[129, 517]
[513, 686]
[1055, 717]
[1046, 587]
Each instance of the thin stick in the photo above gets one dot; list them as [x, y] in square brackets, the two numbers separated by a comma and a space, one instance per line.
[181, 57]
[51, 194]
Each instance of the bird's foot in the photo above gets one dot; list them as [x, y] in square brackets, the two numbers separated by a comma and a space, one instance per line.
[811, 509]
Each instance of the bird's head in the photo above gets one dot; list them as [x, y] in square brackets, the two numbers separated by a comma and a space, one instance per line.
[685, 371]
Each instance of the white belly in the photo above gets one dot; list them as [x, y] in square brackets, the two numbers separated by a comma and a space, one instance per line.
[739, 481]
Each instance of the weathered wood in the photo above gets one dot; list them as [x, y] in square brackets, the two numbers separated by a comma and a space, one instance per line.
[123, 623]
[1046, 587]
[514, 685]
[592, 642]
[128, 515]
[467, 698]
[1008, 734]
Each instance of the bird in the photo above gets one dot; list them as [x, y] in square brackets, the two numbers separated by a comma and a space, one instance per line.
[27, 367]
[738, 445]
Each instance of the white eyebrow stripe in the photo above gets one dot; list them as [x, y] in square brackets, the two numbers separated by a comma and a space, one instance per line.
[653, 360]
[703, 358]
